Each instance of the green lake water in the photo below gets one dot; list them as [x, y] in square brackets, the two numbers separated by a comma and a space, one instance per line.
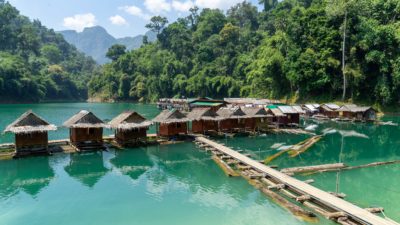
[179, 184]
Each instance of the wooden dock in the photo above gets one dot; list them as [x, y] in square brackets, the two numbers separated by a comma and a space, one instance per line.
[343, 208]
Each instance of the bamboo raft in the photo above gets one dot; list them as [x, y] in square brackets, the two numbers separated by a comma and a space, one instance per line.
[321, 202]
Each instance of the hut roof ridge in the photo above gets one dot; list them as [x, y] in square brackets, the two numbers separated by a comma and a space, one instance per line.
[204, 114]
[29, 122]
[171, 116]
[84, 119]
[129, 120]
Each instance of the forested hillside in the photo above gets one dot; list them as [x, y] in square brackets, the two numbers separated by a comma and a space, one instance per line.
[292, 49]
[36, 64]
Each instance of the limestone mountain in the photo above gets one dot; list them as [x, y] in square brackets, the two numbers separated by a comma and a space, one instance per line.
[95, 41]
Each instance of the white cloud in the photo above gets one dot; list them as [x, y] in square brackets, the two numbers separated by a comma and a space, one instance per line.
[182, 6]
[80, 21]
[157, 6]
[135, 11]
[118, 20]
[220, 4]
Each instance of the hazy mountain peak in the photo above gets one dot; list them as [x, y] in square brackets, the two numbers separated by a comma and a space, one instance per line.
[95, 41]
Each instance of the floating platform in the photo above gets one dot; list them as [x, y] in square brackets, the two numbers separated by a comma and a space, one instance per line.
[344, 211]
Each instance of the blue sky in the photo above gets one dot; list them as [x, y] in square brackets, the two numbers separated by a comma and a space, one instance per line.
[120, 17]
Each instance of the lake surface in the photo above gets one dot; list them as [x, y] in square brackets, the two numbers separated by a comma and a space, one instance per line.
[179, 184]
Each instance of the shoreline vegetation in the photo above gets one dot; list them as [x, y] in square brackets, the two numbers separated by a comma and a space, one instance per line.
[385, 110]
[291, 51]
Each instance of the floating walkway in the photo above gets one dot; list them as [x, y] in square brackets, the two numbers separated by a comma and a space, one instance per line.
[347, 213]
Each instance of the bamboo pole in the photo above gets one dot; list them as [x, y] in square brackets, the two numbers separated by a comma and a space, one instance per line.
[225, 167]
[305, 169]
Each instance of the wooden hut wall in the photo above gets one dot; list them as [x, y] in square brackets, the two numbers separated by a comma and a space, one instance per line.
[232, 124]
[172, 129]
[86, 134]
[250, 123]
[30, 140]
[330, 114]
[201, 126]
[261, 123]
[293, 118]
[346, 114]
[370, 115]
[280, 120]
[123, 136]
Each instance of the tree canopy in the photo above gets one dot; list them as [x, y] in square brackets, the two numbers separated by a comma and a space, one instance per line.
[37, 64]
[293, 48]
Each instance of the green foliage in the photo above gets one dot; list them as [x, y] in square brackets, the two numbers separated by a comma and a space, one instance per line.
[157, 24]
[115, 51]
[293, 48]
[36, 64]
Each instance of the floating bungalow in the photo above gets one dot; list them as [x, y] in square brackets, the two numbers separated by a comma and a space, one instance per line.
[85, 131]
[329, 110]
[279, 119]
[31, 133]
[258, 118]
[292, 115]
[171, 123]
[204, 120]
[173, 103]
[311, 109]
[250, 102]
[187, 104]
[213, 104]
[357, 113]
[234, 119]
[130, 128]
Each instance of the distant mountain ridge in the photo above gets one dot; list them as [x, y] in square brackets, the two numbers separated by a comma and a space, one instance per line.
[95, 41]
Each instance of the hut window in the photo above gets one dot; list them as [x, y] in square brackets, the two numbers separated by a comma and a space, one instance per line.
[178, 125]
[91, 131]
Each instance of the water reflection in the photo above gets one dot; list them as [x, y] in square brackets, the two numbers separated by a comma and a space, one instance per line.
[30, 177]
[87, 168]
[132, 162]
[184, 168]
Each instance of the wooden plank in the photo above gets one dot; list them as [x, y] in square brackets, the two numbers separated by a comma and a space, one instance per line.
[356, 213]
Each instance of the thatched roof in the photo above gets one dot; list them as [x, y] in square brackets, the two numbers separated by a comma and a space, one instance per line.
[204, 114]
[277, 112]
[232, 113]
[354, 108]
[330, 107]
[287, 109]
[29, 122]
[129, 120]
[84, 119]
[255, 112]
[171, 116]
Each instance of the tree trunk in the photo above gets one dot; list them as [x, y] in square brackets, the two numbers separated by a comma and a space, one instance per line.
[344, 56]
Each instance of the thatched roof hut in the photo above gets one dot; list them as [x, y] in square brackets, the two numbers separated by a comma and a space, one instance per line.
[171, 116]
[84, 119]
[29, 122]
[255, 112]
[232, 113]
[354, 108]
[357, 112]
[205, 114]
[129, 120]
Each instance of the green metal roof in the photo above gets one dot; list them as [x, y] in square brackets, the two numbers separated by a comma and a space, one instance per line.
[207, 103]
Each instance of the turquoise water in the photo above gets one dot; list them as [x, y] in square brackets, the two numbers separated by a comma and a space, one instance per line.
[179, 184]
[172, 184]
[58, 113]
[353, 144]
